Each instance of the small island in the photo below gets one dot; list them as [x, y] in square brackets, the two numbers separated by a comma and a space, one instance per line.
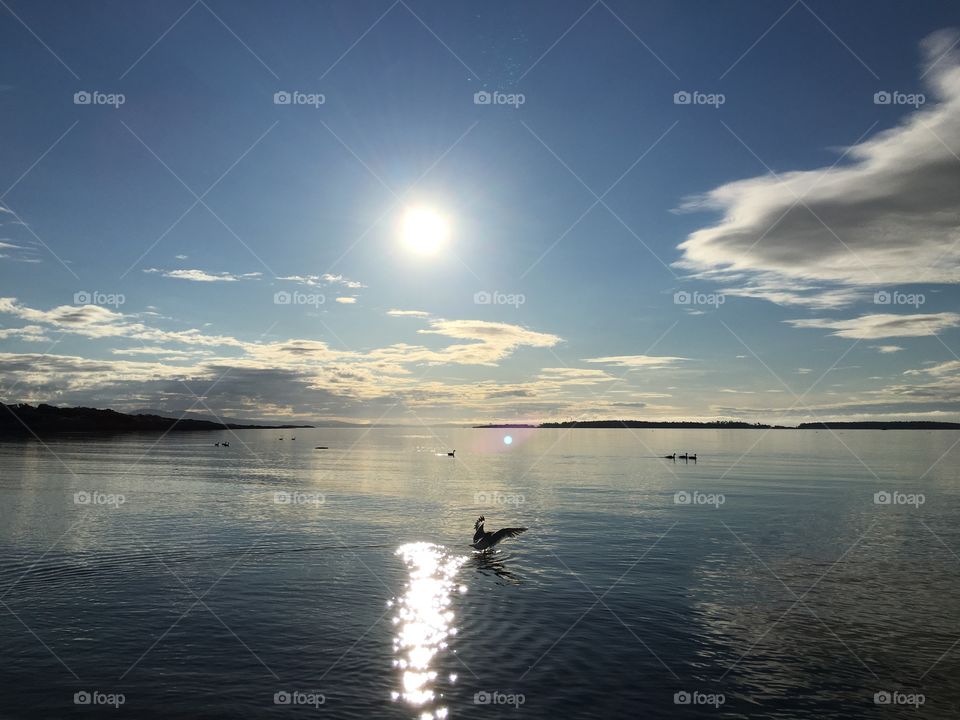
[26, 420]
[730, 425]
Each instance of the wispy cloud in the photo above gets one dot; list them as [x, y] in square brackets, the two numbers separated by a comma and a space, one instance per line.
[195, 275]
[875, 327]
[575, 376]
[408, 313]
[325, 279]
[638, 361]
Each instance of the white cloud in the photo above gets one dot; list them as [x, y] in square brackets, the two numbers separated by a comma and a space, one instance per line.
[157, 351]
[574, 376]
[325, 279]
[887, 349]
[346, 300]
[29, 333]
[638, 361]
[294, 377]
[341, 280]
[884, 216]
[494, 340]
[302, 279]
[96, 321]
[875, 327]
[408, 313]
[203, 276]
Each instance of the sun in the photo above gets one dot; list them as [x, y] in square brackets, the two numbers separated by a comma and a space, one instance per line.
[424, 230]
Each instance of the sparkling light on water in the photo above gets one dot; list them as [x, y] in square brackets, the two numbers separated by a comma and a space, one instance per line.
[423, 623]
[507, 440]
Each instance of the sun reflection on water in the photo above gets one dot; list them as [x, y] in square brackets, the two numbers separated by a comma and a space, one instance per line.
[423, 623]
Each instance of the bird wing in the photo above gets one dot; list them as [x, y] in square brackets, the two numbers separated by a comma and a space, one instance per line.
[506, 533]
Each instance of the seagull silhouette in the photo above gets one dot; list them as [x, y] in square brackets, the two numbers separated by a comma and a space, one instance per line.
[483, 540]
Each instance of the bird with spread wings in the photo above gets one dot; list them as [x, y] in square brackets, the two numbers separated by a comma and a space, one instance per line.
[483, 540]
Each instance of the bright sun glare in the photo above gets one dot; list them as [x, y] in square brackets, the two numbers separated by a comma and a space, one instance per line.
[424, 230]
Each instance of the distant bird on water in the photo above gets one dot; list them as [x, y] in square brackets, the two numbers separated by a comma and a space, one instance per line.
[483, 540]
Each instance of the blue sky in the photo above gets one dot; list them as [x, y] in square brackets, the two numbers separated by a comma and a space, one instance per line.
[779, 249]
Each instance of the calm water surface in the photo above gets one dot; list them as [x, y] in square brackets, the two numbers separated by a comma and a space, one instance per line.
[270, 579]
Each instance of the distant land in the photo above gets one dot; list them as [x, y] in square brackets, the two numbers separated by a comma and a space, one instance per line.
[248, 422]
[735, 425]
[25, 420]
